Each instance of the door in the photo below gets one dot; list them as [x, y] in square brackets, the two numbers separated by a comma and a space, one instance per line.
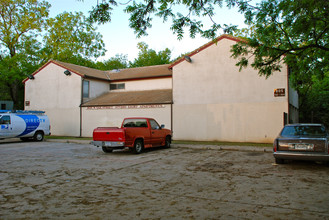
[156, 133]
[6, 127]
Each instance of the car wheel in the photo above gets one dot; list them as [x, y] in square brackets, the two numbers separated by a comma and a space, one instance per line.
[279, 161]
[168, 142]
[138, 146]
[107, 150]
[38, 136]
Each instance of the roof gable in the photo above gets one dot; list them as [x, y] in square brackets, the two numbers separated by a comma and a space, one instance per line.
[84, 72]
[156, 71]
[205, 46]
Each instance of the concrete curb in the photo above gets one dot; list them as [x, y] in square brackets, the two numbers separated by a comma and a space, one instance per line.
[190, 146]
[71, 141]
[225, 147]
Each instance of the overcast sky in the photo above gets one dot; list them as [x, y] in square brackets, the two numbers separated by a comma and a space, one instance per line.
[120, 39]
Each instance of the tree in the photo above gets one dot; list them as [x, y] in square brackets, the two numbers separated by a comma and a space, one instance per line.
[118, 62]
[149, 57]
[20, 22]
[141, 15]
[293, 31]
[70, 37]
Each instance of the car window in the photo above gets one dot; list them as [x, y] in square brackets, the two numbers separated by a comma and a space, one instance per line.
[305, 130]
[154, 125]
[136, 123]
[5, 120]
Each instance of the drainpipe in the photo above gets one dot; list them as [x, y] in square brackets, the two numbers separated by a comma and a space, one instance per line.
[81, 101]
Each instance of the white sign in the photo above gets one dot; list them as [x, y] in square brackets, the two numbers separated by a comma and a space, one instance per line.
[125, 107]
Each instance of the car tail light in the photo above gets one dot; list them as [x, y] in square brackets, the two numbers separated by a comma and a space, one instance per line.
[275, 145]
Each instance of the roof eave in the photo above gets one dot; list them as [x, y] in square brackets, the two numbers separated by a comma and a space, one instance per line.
[224, 36]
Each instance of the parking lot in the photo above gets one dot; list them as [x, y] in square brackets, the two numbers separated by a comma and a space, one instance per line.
[51, 180]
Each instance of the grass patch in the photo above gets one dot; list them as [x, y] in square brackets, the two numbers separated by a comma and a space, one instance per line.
[68, 137]
[220, 143]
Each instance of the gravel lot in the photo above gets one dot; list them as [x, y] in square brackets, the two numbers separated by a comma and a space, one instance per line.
[51, 180]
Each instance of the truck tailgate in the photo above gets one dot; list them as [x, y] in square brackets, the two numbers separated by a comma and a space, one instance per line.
[109, 134]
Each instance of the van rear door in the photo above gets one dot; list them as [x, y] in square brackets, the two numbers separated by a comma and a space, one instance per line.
[6, 127]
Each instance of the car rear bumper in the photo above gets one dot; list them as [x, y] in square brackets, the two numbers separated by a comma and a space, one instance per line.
[301, 156]
[111, 144]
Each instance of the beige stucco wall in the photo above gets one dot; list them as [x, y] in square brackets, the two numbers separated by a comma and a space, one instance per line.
[107, 117]
[97, 88]
[147, 84]
[214, 101]
[59, 95]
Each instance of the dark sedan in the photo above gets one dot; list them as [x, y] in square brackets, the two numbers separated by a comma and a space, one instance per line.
[301, 142]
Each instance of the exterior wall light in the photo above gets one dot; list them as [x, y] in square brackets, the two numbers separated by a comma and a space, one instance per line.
[188, 59]
[66, 72]
[30, 77]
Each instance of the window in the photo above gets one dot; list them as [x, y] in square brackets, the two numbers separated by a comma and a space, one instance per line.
[136, 123]
[154, 125]
[303, 130]
[117, 86]
[3, 106]
[5, 120]
[85, 89]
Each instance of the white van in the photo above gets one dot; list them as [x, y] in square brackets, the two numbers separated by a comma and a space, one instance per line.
[24, 125]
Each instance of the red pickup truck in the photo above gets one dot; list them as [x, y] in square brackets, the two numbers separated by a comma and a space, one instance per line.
[135, 133]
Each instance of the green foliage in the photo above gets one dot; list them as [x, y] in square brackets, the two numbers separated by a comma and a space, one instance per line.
[118, 62]
[149, 57]
[314, 100]
[20, 22]
[142, 13]
[290, 31]
[68, 37]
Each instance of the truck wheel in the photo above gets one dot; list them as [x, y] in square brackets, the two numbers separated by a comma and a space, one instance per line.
[107, 150]
[38, 136]
[138, 146]
[168, 142]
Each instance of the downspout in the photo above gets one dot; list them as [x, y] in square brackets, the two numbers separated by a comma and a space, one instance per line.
[288, 90]
[81, 101]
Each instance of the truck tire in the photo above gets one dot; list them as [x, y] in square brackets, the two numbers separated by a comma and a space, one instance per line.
[168, 142]
[138, 146]
[38, 136]
[107, 150]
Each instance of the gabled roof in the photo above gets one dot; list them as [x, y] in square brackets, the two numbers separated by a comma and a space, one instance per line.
[82, 71]
[114, 75]
[210, 43]
[146, 97]
[141, 72]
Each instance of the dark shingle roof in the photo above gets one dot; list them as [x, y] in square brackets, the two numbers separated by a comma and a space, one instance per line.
[114, 75]
[140, 72]
[84, 71]
[146, 97]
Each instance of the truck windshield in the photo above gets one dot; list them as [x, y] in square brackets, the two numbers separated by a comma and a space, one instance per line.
[136, 123]
[304, 130]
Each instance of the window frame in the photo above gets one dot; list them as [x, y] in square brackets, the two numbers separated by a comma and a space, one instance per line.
[116, 86]
[84, 95]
